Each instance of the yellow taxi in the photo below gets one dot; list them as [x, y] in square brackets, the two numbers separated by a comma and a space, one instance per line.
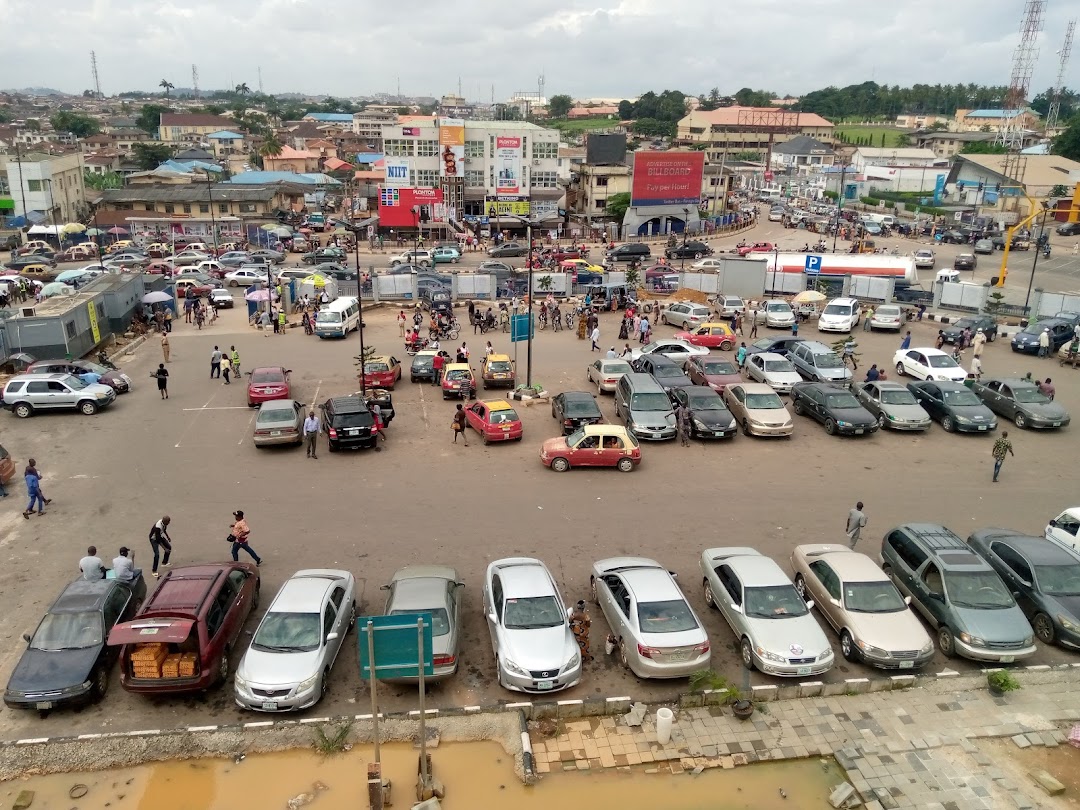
[495, 420]
[713, 335]
[497, 371]
[39, 272]
[458, 380]
[120, 246]
[576, 266]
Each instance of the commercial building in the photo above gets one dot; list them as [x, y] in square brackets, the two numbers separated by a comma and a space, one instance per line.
[368, 125]
[946, 144]
[992, 120]
[191, 127]
[803, 154]
[748, 129]
[921, 120]
[1003, 177]
[49, 184]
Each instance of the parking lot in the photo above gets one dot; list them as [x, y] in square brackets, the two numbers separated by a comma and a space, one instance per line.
[423, 499]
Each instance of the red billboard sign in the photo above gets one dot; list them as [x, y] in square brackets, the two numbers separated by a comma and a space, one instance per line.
[667, 178]
[399, 207]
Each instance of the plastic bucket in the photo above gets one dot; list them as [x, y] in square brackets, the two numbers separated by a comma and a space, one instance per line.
[664, 719]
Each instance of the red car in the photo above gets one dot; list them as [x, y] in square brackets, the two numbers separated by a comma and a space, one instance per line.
[187, 634]
[159, 268]
[562, 253]
[757, 247]
[382, 371]
[711, 335]
[270, 382]
[715, 372]
[494, 420]
[592, 446]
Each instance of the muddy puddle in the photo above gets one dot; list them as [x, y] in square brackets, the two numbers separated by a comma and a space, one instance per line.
[1062, 763]
[476, 775]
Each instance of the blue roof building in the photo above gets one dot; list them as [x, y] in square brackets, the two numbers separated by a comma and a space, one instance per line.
[367, 158]
[329, 118]
[225, 135]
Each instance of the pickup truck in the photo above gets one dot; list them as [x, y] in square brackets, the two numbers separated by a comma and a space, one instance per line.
[317, 222]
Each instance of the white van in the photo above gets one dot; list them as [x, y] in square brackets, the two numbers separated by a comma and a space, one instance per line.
[839, 315]
[338, 318]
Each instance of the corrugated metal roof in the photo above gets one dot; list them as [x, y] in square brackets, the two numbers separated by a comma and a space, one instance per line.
[193, 192]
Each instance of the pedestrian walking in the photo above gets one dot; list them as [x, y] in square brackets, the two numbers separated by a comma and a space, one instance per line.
[215, 363]
[594, 336]
[283, 321]
[976, 367]
[795, 328]
[458, 424]
[753, 324]
[168, 321]
[978, 342]
[849, 354]
[165, 348]
[239, 535]
[377, 428]
[226, 371]
[162, 376]
[867, 317]
[740, 355]
[437, 368]
[644, 334]
[905, 344]
[234, 360]
[33, 489]
[311, 433]
[738, 322]
[856, 520]
[579, 626]
[160, 544]
[91, 565]
[685, 425]
[401, 319]
[1044, 342]
[1001, 447]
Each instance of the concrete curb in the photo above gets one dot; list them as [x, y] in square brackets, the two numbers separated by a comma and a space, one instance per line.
[1004, 330]
[528, 761]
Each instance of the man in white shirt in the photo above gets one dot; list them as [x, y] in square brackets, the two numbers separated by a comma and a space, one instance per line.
[124, 567]
[91, 565]
[311, 433]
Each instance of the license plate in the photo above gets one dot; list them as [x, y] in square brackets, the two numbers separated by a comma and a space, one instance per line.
[907, 665]
[859, 432]
[269, 705]
[352, 432]
[718, 433]
[1007, 659]
[1057, 424]
[678, 656]
[275, 432]
[983, 427]
[545, 685]
[43, 706]
[802, 671]
[656, 435]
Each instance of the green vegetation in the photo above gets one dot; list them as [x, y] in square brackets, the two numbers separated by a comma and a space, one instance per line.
[100, 182]
[869, 101]
[1067, 144]
[655, 114]
[882, 136]
[576, 126]
[983, 148]
[560, 105]
[1002, 681]
[151, 155]
[150, 117]
[616, 206]
[336, 742]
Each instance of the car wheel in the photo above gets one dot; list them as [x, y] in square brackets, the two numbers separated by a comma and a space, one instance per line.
[24, 410]
[697, 255]
[223, 667]
[484, 438]
[947, 424]
[617, 414]
[332, 446]
[800, 586]
[87, 408]
[992, 337]
[592, 591]
[324, 684]
[100, 680]
[560, 465]
[847, 646]
[882, 421]
[797, 406]
[625, 465]
[746, 428]
[726, 346]
[746, 652]
[234, 283]
[1044, 628]
[899, 369]
[663, 320]
[830, 427]
[622, 654]
[1020, 420]
[710, 600]
[945, 642]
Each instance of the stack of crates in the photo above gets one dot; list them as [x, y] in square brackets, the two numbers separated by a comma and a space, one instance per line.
[171, 667]
[147, 659]
[189, 665]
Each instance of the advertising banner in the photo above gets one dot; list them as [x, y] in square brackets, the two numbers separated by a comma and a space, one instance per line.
[397, 172]
[396, 206]
[497, 206]
[508, 165]
[667, 178]
[451, 147]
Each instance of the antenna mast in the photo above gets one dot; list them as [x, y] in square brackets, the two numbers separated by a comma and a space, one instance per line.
[1054, 112]
[94, 72]
[195, 79]
[260, 80]
[1011, 135]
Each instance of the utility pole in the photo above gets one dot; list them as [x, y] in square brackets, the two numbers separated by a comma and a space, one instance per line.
[94, 72]
[195, 79]
[22, 184]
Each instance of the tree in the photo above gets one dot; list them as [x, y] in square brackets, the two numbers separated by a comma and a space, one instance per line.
[151, 155]
[983, 148]
[149, 119]
[626, 109]
[711, 101]
[242, 89]
[754, 98]
[903, 141]
[616, 206]
[653, 128]
[1059, 190]
[100, 182]
[1067, 144]
[271, 147]
[81, 126]
[559, 106]
[166, 85]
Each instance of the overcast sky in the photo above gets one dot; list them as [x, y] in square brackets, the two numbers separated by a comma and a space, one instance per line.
[585, 48]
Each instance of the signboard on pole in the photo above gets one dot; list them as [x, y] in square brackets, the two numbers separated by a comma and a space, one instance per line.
[397, 645]
[451, 147]
[813, 265]
[520, 327]
[667, 178]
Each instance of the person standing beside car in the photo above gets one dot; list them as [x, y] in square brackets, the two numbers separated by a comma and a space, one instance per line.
[311, 433]
[855, 522]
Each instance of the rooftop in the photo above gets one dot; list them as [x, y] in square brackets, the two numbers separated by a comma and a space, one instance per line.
[328, 118]
[1040, 170]
[729, 116]
[192, 192]
[897, 153]
[803, 145]
[225, 135]
[256, 178]
[996, 113]
[195, 120]
[288, 153]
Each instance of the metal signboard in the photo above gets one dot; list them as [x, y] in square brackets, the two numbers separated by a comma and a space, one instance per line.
[396, 645]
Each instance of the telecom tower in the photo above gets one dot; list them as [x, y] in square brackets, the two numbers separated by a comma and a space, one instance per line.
[94, 71]
[260, 80]
[1059, 86]
[195, 79]
[1011, 135]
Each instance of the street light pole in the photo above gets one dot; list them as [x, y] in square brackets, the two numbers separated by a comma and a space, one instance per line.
[839, 203]
[360, 305]
[1035, 262]
[528, 347]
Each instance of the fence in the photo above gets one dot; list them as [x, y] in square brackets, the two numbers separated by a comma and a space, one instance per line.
[1051, 304]
[397, 287]
[871, 288]
[961, 296]
[472, 285]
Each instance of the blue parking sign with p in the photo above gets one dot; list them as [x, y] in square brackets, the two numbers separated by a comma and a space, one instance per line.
[813, 265]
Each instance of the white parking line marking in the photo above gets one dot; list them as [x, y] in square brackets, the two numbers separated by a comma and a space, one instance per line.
[247, 429]
[423, 406]
[315, 398]
[192, 424]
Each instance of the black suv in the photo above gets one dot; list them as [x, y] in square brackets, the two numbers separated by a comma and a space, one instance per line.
[688, 250]
[348, 422]
[631, 251]
[1068, 229]
[665, 371]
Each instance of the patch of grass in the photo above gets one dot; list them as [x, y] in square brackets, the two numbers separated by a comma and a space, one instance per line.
[582, 124]
[334, 743]
[852, 133]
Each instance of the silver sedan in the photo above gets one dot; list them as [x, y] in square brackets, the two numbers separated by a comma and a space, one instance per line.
[606, 373]
[893, 405]
[432, 589]
[280, 421]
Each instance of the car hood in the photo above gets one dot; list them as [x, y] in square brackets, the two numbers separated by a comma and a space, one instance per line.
[1004, 625]
[787, 636]
[276, 668]
[1045, 410]
[842, 373]
[43, 671]
[1069, 605]
[980, 413]
[770, 416]
[1025, 338]
[719, 419]
[782, 377]
[901, 630]
[724, 380]
[909, 412]
[952, 331]
[555, 445]
[547, 648]
[856, 416]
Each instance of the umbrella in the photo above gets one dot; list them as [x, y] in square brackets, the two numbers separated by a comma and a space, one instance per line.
[56, 288]
[257, 295]
[279, 230]
[116, 231]
[809, 297]
[315, 280]
[156, 298]
[339, 232]
[70, 275]
[73, 227]
[94, 232]
[269, 227]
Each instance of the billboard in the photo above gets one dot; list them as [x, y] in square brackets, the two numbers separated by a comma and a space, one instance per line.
[508, 165]
[497, 206]
[667, 178]
[396, 206]
[397, 172]
[605, 150]
[451, 147]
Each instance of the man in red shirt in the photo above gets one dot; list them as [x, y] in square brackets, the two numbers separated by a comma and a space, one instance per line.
[437, 365]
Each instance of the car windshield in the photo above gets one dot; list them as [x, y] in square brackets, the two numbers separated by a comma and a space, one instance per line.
[838, 309]
[961, 398]
[370, 368]
[422, 362]
[941, 361]
[93, 368]
[841, 401]
[763, 401]
[897, 398]
[778, 306]
[440, 621]
[68, 631]
[276, 415]
[774, 602]
[326, 316]
[672, 616]
[650, 402]
[580, 407]
[288, 632]
[873, 597]
[977, 589]
[704, 401]
[504, 416]
[532, 613]
[1059, 580]
[764, 345]
[73, 382]
[1030, 396]
[499, 365]
[458, 374]
[718, 367]
[964, 323]
[778, 366]
[830, 360]
[1033, 329]
[354, 420]
[267, 376]
[616, 368]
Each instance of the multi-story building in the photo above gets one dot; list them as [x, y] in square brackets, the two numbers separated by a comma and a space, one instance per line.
[748, 129]
[292, 160]
[226, 143]
[186, 127]
[992, 120]
[921, 120]
[49, 184]
[368, 124]
[451, 106]
[199, 201]
[946, 144]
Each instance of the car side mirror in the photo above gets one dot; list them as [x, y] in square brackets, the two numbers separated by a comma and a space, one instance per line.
[331, 636]
[935, 595]
[736, 608]
[907, 601]
[1053, 523]
[384, 587]
[809, 604]
[26, 637]
[459, 584]
[491, 616]
[833, 602]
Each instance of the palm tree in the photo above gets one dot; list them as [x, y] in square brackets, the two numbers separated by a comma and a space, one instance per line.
[271, 147]
[242, 89]
[165, 83]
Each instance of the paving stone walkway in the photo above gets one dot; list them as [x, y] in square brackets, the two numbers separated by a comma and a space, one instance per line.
[912, 748]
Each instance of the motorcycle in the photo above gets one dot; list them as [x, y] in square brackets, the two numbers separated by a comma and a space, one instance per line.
[414, 346]
[443, 333]
[103, 360]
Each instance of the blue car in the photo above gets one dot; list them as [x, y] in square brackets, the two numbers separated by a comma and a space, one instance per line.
[446, 255]
[1027, 341]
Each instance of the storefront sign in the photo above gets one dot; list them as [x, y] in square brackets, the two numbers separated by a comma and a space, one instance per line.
[508, 165]
[451, 147]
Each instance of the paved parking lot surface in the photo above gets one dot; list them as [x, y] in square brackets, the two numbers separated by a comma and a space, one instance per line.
[423, 499]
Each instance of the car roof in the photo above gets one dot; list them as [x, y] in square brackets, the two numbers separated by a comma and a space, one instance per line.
[928, 350]
[184, 589]
[349, 403]
[83, 594]
[458, 367]
[306, 589]
[755, 388]
[1038, 550]
[851, 566]
[268, 368]
[824, 387]
[889, 385]
[816, 347]
[605, 430]
[712, 324]
[1012, 382]
[770, 356]
[523, 577]
[277, 405]
[499, 357]
[753, 569]
[59, 375]
[651, 584]
[384, 358]
[582, 395]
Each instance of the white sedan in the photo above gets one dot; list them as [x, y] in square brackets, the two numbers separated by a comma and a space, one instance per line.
[928, 364]
[773, 369]
[776, 315]
[677, 350]
[244, 277]
[707, 264]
